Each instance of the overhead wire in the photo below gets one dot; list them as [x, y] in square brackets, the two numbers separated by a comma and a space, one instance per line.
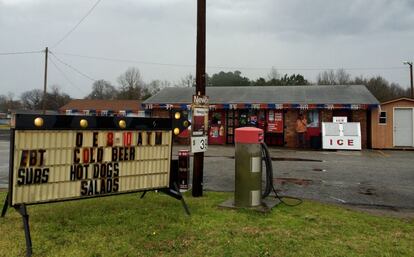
[77, 24]
[73, 68]
[24, 52]
[226, 67]
[65, 76]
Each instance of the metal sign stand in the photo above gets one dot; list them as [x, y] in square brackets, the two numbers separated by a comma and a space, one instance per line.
[173, 192]
[5, 206]
[23, 211]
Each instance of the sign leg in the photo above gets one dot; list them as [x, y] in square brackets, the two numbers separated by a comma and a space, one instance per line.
[23, 211]
[175, 193]
[5, 206]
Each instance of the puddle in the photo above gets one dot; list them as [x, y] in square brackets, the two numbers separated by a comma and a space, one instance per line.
[274, 158]
[295, 181]
[367, 191]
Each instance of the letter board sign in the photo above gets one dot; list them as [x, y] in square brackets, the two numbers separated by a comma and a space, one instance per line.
[55, 158]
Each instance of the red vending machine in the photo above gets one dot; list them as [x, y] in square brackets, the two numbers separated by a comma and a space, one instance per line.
[274, 128]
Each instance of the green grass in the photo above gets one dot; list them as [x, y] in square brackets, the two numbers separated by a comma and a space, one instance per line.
[157, 226]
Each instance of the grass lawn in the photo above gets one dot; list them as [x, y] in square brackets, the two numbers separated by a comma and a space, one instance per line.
[157, 226]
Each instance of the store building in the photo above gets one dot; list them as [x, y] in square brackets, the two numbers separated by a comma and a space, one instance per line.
[272, 108]
[103, 108]
[393, 124]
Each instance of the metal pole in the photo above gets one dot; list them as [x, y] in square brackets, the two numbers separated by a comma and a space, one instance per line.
[45, 82]
[411, 78]
[198, 163]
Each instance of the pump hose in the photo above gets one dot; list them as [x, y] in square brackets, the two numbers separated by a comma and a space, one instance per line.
[269, 187]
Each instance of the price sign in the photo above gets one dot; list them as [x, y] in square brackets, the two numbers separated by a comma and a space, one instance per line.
[199, 144]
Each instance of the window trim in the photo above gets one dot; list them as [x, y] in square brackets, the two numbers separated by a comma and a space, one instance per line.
[379, 118]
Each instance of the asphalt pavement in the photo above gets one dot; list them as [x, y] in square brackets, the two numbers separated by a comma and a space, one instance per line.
[370, 178]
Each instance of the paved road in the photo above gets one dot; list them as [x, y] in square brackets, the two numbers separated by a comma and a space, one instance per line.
[371, 178]
[382, 179]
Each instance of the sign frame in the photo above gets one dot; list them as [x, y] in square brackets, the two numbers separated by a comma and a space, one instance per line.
[30, 122]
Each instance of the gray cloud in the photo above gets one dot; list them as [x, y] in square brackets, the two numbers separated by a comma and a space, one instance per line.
[292, 34]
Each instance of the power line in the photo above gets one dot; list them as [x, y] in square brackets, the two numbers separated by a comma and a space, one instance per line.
[230, 67]
[73, 68]
[77, 24]
[64, 75]
[25, 52]
[125, 60]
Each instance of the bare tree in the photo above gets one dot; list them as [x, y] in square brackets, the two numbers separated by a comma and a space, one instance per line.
[102, 89]
[8, 103]
[326, 78]
[342, 77]
[55, 98]
[131, 84]
[187, 81]
[32, 100]
[331, 77]
[154, 87]
[273, 74]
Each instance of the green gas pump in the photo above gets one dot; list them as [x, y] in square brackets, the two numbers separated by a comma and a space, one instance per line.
[248, 167]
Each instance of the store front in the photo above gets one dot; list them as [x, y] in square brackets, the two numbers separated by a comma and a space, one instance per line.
[264, 107]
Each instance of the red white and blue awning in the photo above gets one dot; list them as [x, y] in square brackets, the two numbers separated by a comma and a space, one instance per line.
[256, 106]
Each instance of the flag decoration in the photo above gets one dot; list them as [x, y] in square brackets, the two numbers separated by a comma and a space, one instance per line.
[256, 106]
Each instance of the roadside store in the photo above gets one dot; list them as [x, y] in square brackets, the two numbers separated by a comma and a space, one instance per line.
[273, 109]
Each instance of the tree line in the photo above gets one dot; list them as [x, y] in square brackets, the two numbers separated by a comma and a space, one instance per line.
[132, 87]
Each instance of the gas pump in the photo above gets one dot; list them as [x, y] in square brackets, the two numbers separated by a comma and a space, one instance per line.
[250, 153]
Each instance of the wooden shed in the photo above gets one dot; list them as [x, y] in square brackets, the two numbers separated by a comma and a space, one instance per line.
[393, 124]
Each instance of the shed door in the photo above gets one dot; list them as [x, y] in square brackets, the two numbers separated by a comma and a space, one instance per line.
[403, 127]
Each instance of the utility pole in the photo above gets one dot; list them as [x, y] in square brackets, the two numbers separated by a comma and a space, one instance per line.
[198, 163]
[411, 77]
[45, 82]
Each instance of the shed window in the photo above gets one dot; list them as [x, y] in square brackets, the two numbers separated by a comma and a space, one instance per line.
[383, 118]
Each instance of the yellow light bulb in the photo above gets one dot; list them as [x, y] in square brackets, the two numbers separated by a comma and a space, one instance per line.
[83, 123]
[176, 131]
[38, 122]
[122, 124]
[177, 115]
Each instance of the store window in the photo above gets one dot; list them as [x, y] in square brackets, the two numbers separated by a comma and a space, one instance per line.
[383, 118]
[313, 119]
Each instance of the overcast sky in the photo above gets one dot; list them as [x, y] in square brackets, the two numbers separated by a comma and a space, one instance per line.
[368, 37]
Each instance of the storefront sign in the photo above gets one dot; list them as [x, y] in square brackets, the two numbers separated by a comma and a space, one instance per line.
[88, 157]
[340, 119]
[199, 128]
[274, 122]
[346, 136]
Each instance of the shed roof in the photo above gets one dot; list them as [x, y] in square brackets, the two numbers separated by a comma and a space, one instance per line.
[315, 94]
[398, 100]
[114, 105]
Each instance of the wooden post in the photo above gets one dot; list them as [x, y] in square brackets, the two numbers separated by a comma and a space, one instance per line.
[198, 163]
[45, 82]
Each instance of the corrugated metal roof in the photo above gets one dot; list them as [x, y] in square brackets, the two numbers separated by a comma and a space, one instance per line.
[314, 94]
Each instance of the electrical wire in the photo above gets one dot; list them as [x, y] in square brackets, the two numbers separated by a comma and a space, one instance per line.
[77, 24]
[228, 67]
[269, 179]
[125, 60]
[73, 68]
[25, 52]
[65, 76]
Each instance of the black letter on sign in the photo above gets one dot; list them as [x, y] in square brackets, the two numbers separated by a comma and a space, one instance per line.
[84, 188]
[79, 139]
[95, 139]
